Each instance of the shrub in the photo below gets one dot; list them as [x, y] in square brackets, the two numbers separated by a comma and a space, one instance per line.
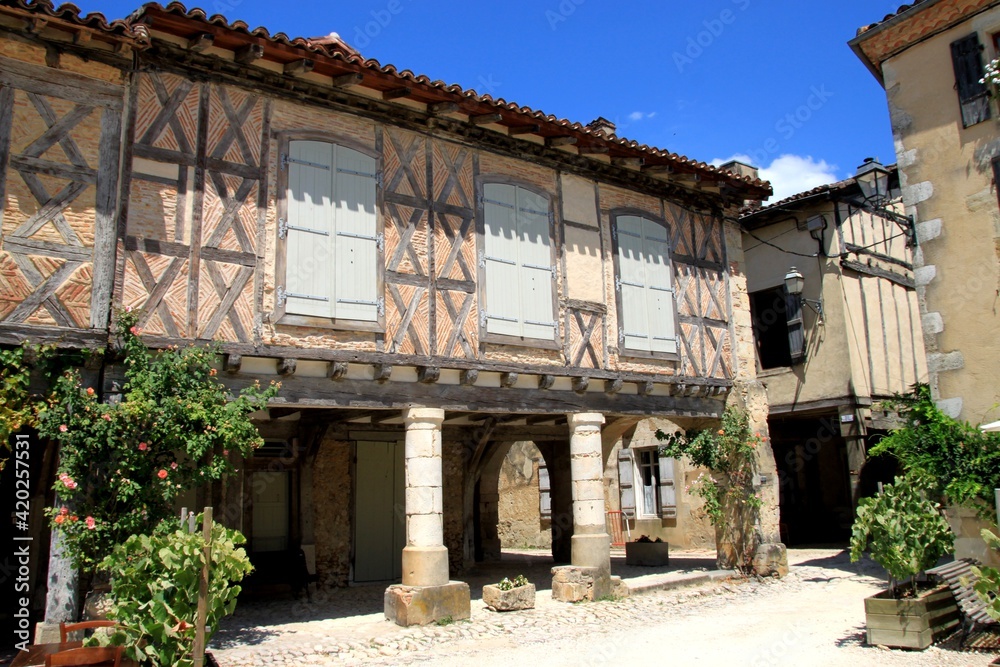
[154, 592]
[947, 457]
[506, 584]
[122, 465]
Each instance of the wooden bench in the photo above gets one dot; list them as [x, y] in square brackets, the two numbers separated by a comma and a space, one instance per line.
[975, 621]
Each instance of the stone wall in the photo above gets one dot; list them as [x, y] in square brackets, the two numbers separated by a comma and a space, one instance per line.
[332, 508]
[520, 522]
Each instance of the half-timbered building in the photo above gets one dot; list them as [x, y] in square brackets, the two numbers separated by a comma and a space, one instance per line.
[432, 274]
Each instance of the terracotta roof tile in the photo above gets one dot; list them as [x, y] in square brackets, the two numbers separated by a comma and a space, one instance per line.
[71, 14]
[889, 17]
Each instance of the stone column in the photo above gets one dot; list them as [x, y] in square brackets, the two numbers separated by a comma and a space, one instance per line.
[425, 558]
[591, 545]
[426, 594]
[61, 601]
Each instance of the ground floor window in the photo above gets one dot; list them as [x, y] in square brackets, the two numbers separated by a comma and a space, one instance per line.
[646, 484]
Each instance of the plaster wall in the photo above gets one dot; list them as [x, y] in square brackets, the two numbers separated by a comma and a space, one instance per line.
[947, 184]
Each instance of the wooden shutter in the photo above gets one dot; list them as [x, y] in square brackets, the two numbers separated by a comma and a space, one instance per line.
[973, 96]
[310, 227]
[645, 285]
[535, 266]
[544, 492]
[355, 263]
[518, 263]
[659, 287]
[796, 333]
[668, 492]
[626, 482]
[503, 315]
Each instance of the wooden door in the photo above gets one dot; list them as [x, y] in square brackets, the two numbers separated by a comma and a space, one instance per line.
[380, 512]
[270, 511]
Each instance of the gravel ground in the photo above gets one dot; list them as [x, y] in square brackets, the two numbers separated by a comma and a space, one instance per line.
[815, 616]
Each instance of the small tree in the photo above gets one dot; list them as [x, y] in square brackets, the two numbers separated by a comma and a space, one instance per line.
[904, 531]
[122, 465]
[730, 494]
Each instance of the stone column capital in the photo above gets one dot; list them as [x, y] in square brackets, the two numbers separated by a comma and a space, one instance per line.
[423, 418]
[582, 419]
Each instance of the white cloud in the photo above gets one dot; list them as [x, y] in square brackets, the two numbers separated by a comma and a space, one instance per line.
[790, 174]
[636, 116]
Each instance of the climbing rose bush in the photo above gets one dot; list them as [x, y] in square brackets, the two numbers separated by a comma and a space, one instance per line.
[122, 465]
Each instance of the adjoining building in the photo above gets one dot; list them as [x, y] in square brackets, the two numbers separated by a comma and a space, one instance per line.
[432, 274]
[837, 328]
[931, 58]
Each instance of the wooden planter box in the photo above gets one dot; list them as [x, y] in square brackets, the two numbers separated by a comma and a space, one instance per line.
[648, 554]
[521, 597]
[913, 622]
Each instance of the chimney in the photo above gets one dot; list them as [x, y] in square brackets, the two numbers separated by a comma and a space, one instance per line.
[602, 126]
[740, 169]
[334, 42]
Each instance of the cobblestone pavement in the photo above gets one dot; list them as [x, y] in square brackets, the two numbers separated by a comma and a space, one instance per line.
[812, 617]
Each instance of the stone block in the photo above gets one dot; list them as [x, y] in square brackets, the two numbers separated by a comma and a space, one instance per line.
[771, 560]
[619, 589]
[521, 597]
[571, 583]
[422, 605]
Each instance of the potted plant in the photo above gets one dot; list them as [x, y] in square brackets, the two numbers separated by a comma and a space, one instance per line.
[905, 533]
[510, 595]
[647, 552]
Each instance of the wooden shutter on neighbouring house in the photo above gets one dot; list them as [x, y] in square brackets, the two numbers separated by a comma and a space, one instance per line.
[645, 285]
[668, 492]
[544, 492]
[626, 482]
[796, 333]
[310, 242]
[356, 243]
[973, 96]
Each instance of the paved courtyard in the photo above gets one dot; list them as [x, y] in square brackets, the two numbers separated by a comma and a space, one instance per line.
[815, 616]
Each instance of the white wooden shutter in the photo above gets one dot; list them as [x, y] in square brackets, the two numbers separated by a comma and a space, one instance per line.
[645, 285]
[632, 283]
[355, 264]
[310, 225]
[535, 266]
[626, 482]
[668, 492]
[503, 314]
[544, 493]
[659, 288]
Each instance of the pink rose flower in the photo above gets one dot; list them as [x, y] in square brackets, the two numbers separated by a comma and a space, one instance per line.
[162, 474]
[60, 518]
[173, 466]
[63, 428]
[91, 523]
[143, 446]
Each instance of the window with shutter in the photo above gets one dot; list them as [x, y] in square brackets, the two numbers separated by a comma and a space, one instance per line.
[517, 258]
[330, 232]
[973, 96]
[777, 327]
[645, 286]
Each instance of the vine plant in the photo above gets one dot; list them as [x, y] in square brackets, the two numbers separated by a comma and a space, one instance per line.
[732, 501]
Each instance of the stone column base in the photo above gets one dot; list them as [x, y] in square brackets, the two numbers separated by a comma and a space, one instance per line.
[771, 560]
[573, 584]
[425, 566]
[47, 633]
[422, 605]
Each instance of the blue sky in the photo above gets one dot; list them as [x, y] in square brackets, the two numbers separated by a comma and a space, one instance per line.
[773, 81]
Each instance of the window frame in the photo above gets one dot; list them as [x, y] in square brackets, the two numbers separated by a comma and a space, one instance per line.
[619, 306]
[966, 103]
[634, 455]
[504, 339]
[279, 316]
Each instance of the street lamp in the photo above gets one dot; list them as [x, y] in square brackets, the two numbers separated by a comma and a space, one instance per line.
[873, 179]
[794, 284]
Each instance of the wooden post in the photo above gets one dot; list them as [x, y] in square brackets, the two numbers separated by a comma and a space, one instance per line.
[200, 622]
